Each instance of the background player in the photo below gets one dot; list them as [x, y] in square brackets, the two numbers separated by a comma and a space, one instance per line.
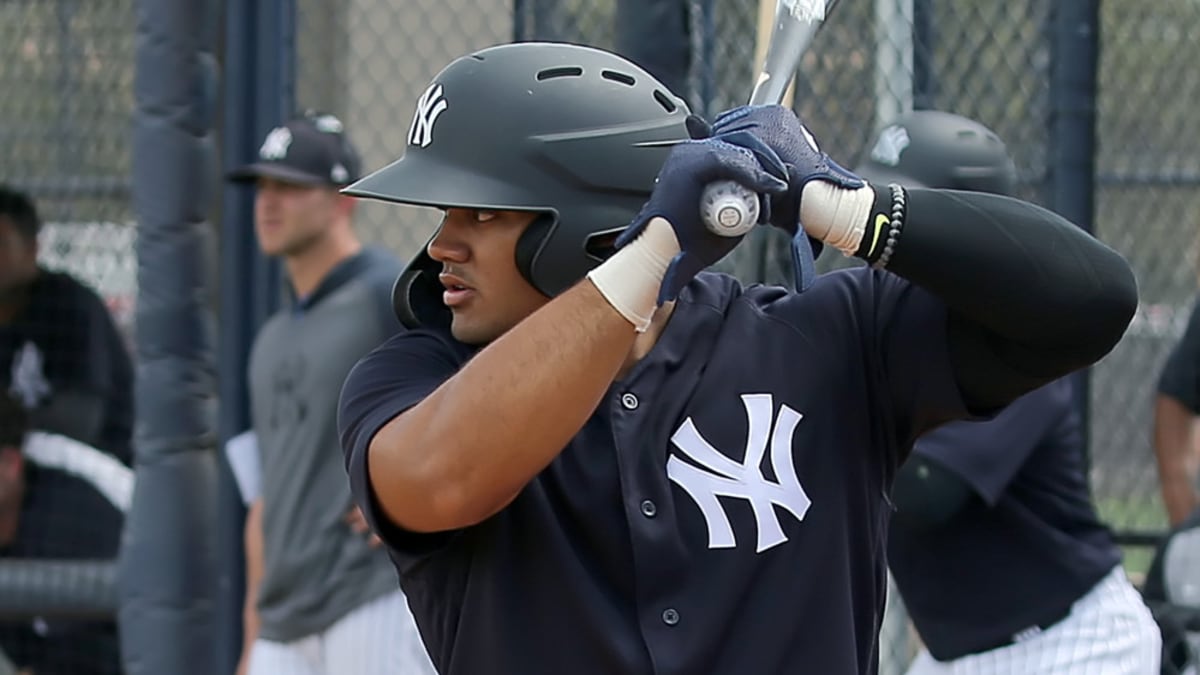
[320, 596]
[995, 546]
[567, 471]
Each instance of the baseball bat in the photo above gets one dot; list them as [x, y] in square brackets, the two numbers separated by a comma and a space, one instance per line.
[728, 208]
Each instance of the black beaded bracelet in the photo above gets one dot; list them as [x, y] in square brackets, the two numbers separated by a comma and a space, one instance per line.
[899, 204]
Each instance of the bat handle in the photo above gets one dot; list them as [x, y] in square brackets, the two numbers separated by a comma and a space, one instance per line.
[729, 209]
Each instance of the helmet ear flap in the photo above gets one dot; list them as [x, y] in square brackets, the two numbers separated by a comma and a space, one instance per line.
[417, 294]
[530, 244]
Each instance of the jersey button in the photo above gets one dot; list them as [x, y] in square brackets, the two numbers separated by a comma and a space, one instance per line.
[629, 401]
[670, 617]
[649, 509]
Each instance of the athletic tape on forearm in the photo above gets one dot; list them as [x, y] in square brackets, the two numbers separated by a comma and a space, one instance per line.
[835, 215]
[630, 279]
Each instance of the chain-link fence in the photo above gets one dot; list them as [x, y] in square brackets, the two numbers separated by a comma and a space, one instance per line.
[872, 60]
[66, 67]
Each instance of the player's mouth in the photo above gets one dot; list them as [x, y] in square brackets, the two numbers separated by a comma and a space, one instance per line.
[457, 291]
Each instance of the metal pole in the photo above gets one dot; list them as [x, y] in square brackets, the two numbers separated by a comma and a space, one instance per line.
[1071, 188]
[259, 94]
[924, 81]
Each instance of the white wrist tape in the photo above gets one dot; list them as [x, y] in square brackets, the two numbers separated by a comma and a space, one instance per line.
[836, 216]
[631, 278]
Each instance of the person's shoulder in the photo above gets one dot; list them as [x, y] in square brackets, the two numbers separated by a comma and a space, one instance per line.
[64, 288]
[379, 261]
[422, 338]
[848, 289]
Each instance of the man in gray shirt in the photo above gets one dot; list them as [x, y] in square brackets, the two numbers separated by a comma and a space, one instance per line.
[321, 595]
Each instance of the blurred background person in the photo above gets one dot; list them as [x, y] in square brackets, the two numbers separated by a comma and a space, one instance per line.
[321, 594]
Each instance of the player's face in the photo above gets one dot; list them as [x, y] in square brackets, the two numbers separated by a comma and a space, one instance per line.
[289, 218]
[18, 257]
[483, 289]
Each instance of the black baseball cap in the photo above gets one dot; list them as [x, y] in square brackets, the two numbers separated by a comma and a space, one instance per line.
[311, 149]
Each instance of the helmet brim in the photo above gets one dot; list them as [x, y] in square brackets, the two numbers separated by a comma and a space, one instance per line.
[423, 181]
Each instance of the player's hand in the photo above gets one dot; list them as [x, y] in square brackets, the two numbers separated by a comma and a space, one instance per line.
[358, 523]
[783, 132]
[690, 166]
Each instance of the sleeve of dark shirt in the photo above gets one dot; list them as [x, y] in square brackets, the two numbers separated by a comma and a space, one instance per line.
[1180, 377]
[95, 362]
[988, 454]
[394, 377]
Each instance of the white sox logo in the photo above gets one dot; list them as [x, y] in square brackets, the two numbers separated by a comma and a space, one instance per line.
[430, 105]
[727, 478]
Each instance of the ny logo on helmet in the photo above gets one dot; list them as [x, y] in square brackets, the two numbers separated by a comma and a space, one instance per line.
[431, 104]
[719, 476]
[892, 141]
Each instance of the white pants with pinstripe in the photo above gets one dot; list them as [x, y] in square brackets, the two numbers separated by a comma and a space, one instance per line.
[1108, 632]
[379, 638]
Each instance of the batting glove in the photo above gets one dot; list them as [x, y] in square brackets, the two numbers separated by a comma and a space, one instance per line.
[690, 166]
[783, 132]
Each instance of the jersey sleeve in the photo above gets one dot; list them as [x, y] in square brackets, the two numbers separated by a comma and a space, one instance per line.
[1180, 377]
[392, 378]
[988, 454]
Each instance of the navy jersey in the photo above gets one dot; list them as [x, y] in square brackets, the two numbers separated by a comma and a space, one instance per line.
[1180, 378]
[724, 510]
[65, 340]
[1027, 544]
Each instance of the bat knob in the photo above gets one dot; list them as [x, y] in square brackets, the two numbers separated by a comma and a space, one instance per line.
[729, 209]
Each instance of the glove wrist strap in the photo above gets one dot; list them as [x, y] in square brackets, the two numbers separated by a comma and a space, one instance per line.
[631, 278]
[837, 216]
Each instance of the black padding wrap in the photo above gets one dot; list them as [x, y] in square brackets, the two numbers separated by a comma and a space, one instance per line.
[927, 495]
[1031, 296]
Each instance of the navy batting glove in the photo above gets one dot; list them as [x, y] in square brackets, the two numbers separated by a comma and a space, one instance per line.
[783, 132]
[690, 166]
[780, 129]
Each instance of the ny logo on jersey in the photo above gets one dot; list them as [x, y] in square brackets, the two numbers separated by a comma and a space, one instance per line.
[276, 144]
[892, 141]
[726, 478]
[431, 104]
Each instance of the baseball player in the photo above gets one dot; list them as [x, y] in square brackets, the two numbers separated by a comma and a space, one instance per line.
[319, 592]
[588, 461]
[995, 546]
[1176, 409]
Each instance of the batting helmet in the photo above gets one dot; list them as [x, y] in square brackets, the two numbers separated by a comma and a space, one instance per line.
[575, 133]
[931, 148]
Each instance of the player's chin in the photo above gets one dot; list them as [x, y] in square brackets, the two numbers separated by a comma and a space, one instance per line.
[470, 330]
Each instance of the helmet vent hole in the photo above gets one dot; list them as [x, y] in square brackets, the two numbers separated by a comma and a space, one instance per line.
[617, 77]
[565, 71]
[664, 100]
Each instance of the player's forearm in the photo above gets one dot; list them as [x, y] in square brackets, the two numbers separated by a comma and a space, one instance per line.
[1031, 297]
[1173, 452]
[466, 450]
[253, 544]
[1020, 271]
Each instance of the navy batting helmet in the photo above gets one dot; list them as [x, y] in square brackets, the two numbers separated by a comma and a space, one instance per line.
[575, 133]
[931, 148]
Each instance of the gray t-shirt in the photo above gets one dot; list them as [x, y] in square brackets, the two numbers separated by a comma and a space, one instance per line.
[316, 569]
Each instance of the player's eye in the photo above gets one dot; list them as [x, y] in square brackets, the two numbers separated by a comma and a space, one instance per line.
[483, 215]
